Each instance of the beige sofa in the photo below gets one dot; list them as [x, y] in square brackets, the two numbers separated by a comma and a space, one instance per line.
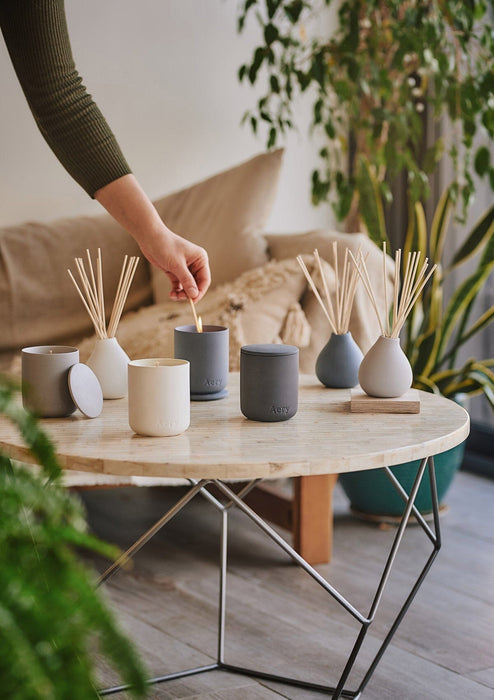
[258, 289]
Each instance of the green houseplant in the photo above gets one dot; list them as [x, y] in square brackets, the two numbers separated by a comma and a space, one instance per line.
[432, 339]
[50, 610]
[369, 84]
[387, 65]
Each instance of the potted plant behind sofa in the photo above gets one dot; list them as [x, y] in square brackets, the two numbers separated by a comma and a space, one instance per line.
[369, 85]
[50, 610]
[388, 63]
[432, 338]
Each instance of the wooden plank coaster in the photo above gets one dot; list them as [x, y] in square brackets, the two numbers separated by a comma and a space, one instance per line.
[361, 402]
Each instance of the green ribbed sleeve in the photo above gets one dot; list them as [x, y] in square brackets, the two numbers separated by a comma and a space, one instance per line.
[37, 40]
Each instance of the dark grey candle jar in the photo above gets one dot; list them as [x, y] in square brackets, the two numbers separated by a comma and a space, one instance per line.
[269, 382]
[45, 374]
[208, 355]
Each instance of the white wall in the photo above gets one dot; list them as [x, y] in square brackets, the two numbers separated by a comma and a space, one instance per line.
[164, 74]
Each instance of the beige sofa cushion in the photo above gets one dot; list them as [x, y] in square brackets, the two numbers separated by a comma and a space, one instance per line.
[38, 303]
[260, 306]
[226, 215]
[363, 323]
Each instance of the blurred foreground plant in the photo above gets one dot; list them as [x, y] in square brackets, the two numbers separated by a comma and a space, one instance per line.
[50, 610]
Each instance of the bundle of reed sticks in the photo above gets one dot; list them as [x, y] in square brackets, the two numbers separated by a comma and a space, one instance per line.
[339, 308]
[92, 294]
[404, 295]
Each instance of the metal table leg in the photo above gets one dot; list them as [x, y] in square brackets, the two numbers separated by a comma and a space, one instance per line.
[364, 619]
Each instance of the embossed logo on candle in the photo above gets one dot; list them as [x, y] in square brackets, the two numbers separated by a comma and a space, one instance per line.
[167, 424]
[279, 410]
[212, 383]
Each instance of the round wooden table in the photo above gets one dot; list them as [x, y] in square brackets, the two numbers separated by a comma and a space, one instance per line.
[221, 446]
[324, 437]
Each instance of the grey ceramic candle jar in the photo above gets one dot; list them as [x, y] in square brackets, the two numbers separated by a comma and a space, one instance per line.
[45, 385]
[208, 355]
[269, 382]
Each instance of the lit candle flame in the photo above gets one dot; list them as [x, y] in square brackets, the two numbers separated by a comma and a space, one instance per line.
[197, 319]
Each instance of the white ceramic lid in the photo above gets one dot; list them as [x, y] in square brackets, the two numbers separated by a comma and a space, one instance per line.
[85, 390]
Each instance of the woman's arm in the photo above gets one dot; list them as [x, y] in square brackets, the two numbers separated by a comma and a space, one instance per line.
[185, 263]
[37, 39]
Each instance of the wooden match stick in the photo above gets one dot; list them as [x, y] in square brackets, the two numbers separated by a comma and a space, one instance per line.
[196, 320]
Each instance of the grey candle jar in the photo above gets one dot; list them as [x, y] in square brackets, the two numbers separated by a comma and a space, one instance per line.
[208, 354]
[269, 382]
[45, 374]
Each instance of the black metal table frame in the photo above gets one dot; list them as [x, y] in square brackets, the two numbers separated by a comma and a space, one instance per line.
[236, 499]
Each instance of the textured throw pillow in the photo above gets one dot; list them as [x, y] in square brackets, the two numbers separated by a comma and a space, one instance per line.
[38, 302]
[225, 214]
[363, 323]
[260, 306]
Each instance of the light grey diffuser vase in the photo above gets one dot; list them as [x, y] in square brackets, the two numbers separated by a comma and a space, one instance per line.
[385, 371]
[338, 363]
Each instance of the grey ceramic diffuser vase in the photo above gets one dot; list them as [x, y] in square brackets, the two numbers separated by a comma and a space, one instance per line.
[385, 371]
[338, 363]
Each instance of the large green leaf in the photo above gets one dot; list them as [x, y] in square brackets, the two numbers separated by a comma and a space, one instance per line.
[459, 303]
[433, 300]
[481, 233]
[426, 350]
[485, 377]
[426, 384]
[370, 204]
[487, 256]
[439, 226]
[416, 238]
[481, 323]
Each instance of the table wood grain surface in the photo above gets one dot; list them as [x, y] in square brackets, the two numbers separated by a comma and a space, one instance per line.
[324, 437]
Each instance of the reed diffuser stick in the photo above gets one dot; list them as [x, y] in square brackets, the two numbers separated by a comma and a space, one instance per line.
[337, 280]
[404, 299]
[91, 291]
[385, 288]
[122, 298]
[396, 290]
[314, 289]
[338, 309]
[364, 276]
[325, 287]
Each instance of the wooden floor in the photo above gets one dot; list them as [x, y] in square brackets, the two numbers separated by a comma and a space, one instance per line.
[281, 621]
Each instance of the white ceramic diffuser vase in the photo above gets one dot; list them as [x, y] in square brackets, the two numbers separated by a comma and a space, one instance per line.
[110, 363]
[338, 363]
[385, 371]
[108, 360]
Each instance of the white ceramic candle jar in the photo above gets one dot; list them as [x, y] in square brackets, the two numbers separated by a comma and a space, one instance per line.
[159, 396]
[45, 372]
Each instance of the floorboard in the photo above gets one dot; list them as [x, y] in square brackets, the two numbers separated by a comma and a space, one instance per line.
[280, 620]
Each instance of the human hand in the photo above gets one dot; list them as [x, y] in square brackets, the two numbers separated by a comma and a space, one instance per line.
[185, 264]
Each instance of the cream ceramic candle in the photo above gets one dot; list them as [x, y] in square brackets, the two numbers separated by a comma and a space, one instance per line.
[45, 374]
[159, 396]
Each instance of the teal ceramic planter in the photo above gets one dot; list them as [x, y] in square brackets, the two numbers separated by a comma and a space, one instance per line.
[372, 493]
